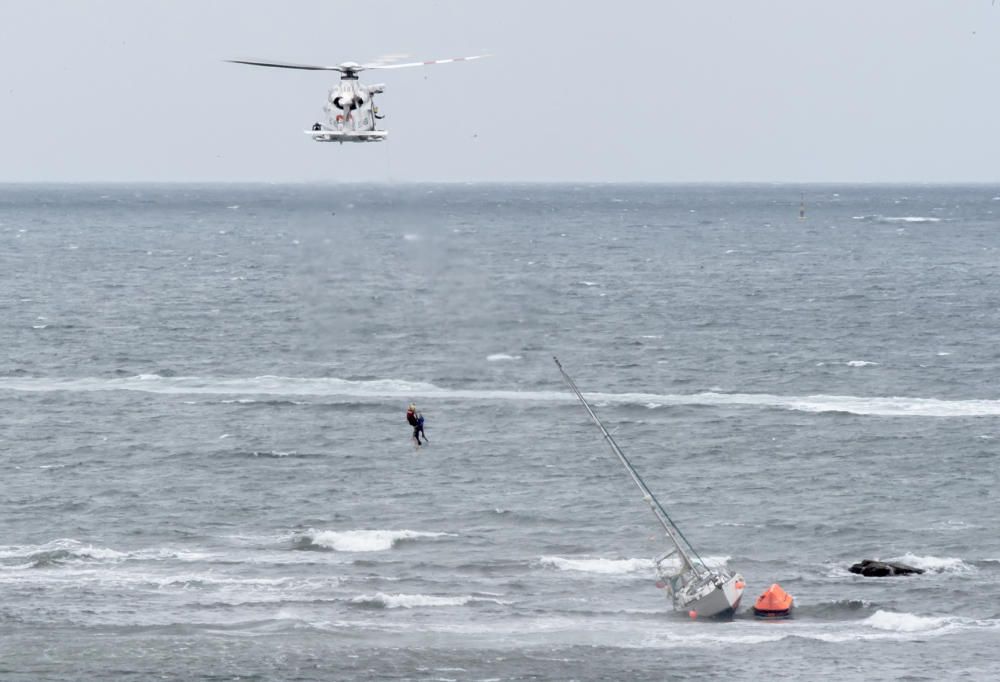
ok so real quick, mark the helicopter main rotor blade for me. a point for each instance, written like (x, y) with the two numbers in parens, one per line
(428, 63)
(285, 65)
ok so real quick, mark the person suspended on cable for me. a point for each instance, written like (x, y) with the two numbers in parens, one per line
(414, 419)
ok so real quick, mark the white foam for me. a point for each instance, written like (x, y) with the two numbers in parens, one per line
(397, 389)
(72, 548)
(604, 566)
(935, 564)
(860, 363)
(498, 357)
(910, 219)
(897, 219)
(904, 622)
(364, 540)
(410, 601)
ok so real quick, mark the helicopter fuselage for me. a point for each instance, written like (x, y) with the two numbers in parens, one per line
(350, 107)
(350, 113)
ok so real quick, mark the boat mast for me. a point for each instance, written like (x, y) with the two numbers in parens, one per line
(672, 531)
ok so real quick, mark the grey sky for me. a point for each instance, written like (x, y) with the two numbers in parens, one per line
(731, 90)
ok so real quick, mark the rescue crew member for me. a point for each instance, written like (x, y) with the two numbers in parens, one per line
(415, 421)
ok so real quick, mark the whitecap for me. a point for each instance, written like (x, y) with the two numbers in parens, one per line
(904, 622)
(860, 363)
(604, 566)
(379, 390)
(910, 219)
(934, 564)
(60, 549)
(410, 601)
(363, 540)
(497, 357)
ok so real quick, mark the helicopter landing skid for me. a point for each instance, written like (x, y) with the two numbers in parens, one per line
(348, 135)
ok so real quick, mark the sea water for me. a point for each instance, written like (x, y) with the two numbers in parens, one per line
(207, 472)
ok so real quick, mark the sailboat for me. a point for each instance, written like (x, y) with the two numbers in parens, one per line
(692, 586)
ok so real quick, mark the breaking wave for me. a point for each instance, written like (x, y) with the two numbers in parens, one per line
(68, 550)
(392, 389)
(905, 622)
(933, 564)
(358, 540)
(59, 551)
(615, 566)
(889, 220)
(604, 566)
(411, 601)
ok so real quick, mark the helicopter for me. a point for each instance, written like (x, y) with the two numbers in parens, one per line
(350, 106)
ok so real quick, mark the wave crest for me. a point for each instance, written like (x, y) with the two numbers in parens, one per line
(380, 390)
(358, 540)
(68, 550)
(411, 601)
(891, 220)
(603, 566)
(58, 551)
(934, 564)
(904, 622)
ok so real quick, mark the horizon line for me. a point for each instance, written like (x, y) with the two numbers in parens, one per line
(677, 183)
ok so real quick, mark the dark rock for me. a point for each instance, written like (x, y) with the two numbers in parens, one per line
(877, 569)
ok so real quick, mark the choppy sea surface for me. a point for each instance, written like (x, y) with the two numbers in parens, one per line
(207, 473)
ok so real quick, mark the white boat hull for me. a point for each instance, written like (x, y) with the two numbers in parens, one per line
(714, 599)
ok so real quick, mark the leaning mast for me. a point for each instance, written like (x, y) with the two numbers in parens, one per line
(674, 533)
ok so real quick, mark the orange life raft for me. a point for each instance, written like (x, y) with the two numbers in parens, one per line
(774, 603)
